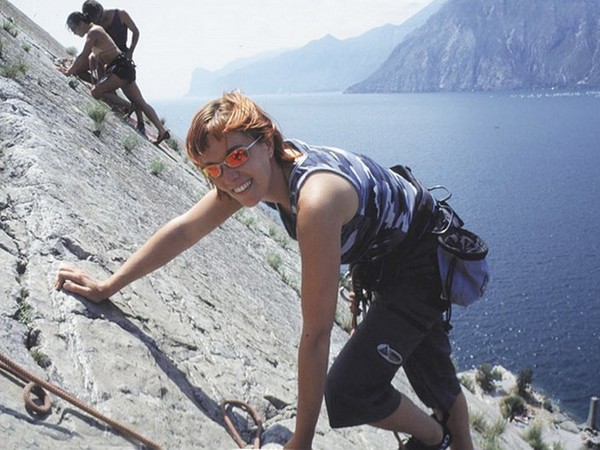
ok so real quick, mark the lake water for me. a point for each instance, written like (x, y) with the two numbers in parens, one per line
(523, 169)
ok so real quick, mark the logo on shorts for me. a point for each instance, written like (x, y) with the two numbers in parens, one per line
(389, 354)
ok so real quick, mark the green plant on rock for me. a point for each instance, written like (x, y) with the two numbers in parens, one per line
(12, 70)
(274, 260)
(10, 27)
(157, 167)
(524, 379)
(73, 83)
(245, 218)
(478, 422)
(1, 49)
(71, 51)
(485, 378)
(492, 444)
(277, 237)
(24, 314)
(496, 429)
(97, 112)
(511, 406)
(533, 436)
(489, 433)
(40, 358)
(467, 382)
(131, 142)
(291, 282)
(25, 46)
(173, 144)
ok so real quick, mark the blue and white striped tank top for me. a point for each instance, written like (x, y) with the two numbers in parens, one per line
(386, 200)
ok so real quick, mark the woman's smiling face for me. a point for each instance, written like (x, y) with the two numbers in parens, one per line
(247, 182)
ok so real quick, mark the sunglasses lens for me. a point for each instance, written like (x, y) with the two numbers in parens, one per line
(213, 171)
(237, 157)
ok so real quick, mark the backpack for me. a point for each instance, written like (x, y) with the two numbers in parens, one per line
(462, 263)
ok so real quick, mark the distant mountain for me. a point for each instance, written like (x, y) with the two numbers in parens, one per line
(324, 65)
(481, 45)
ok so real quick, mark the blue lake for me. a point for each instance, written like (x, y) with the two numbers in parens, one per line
(523, 169)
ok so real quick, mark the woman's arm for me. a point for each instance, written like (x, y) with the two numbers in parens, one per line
(82, 60)
(135, 32)
(326, 202)
(172, 239)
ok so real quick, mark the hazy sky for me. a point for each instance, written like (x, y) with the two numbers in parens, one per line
(177, 36)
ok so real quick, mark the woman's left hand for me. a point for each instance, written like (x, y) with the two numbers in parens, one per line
(80, 282)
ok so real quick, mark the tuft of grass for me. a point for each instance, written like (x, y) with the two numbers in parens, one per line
(157, 167)
(512, 405)
(97, 112)
(12, 70)
(71, 51)
(524, 379)
(41, 358)
(277, 237)
(491, 445)
(173, 144)
(485, 378)
(73, 83)
(291, 281)
(274, 260)
(478, 422)
(245, 218)
(467, 382)
(25, 46)
(10, 27)
(489, 433)
(131, 142)
(1, 49)
(24, 313)
(533, 436)
(496, 429)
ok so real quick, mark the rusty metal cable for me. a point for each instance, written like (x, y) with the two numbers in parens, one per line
(231, 427)
(36, 385)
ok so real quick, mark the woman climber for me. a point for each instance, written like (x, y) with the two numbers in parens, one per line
(342, 208)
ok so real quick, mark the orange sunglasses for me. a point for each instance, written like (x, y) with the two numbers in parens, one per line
(234, 159)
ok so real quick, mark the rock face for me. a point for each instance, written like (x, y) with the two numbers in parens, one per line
(220, 322)
(481, 45)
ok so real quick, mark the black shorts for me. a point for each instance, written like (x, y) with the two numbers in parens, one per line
(122, 67)
(404, 327)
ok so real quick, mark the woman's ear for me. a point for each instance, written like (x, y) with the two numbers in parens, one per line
(270, 146)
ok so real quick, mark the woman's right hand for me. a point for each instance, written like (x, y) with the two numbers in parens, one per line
(80, 282)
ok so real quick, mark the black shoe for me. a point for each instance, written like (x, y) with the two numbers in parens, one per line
(414, 444)
(141, 128)
(162, 137)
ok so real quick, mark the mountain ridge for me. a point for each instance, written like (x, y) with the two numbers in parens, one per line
(327, 64)
(486, 45)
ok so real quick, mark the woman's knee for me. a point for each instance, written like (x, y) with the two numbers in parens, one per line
(351, 404)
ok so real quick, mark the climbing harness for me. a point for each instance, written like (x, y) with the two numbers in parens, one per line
(227, 405)
(36, 385)
(357, 294)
